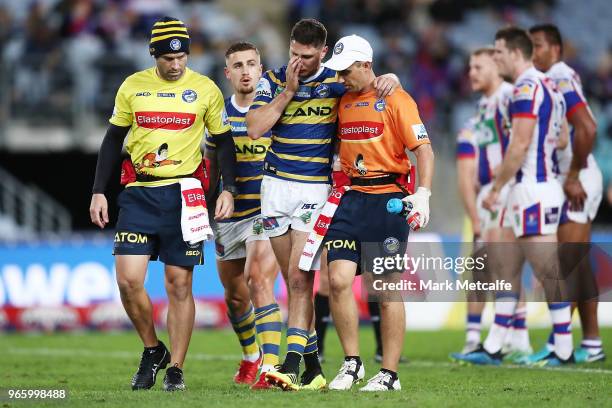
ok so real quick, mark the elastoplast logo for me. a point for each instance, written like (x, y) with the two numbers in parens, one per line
(361, 130)
(165, 120)
(194, 197)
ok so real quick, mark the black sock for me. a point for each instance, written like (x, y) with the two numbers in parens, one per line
(292, 363)
(392, 373)
(356, 358)
(374, 310)
(311, 362)
(158, 347)
(321, 310)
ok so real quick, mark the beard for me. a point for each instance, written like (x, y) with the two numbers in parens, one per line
(246, 89)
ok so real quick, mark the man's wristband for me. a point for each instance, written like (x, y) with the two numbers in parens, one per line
(231, 189)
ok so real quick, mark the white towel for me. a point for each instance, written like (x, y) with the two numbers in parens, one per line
(311, 255)
(195, 224)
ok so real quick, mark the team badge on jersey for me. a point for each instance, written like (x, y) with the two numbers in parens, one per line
(322, 91)
(175, 44)
(380, 105)
(224, 117)
(263, 88)
(525, 91)
(190, 95)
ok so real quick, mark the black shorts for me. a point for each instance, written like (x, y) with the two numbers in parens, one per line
(150, 224)
(362, 230)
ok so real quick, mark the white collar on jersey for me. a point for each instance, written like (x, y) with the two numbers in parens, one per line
(316, 74)
(241, 109)
(531, 71)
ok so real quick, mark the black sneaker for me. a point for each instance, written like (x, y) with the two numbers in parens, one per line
(173, 380)
(151, 361)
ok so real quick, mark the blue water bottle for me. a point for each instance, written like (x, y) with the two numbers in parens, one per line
(403, 208)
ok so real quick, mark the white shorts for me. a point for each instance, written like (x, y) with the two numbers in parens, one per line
(492, 219)
(535, 208)
(231, 237)
(592, 182)
(292, 204)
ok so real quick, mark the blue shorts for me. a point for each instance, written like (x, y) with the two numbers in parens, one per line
(150, 224)
(362, 230)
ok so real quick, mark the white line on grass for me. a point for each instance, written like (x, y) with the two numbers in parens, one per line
(59, 352)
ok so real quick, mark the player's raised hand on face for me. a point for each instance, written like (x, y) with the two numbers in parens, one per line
(293, 74)
(98, 210)
(386, 84)
(225, 206)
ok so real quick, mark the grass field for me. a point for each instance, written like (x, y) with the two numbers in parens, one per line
(96, 370)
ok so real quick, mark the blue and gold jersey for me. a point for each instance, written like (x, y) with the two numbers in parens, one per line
(250, 155)
(302, 138)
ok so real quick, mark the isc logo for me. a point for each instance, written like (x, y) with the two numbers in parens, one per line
(308, 206)
(192, 253)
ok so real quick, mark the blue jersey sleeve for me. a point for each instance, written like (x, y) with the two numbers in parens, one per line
(523, 102)
(265, 91)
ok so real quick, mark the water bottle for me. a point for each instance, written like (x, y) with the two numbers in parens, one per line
(403, 208)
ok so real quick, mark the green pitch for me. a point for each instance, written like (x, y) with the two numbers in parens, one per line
(96, 370)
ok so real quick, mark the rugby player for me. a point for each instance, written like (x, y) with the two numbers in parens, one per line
(537, 113)
(298, 103)
(165, 108)
(480, 147)
(374, 134)
(245, 261)
(583, 186)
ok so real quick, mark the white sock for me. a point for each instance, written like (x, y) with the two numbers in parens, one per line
(561, 319)
(520, 334)
(593, 346)
(265, 368)
(472, 329)
(504, 310)
(251, 357)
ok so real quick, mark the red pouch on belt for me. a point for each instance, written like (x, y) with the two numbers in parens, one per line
(408, 181)
(128, 173)
(202, 174)
(339, 179)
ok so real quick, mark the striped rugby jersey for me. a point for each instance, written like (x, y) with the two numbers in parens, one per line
(569, 84)
(301, 148)
(486, 136)
(250, 156)
(536, 96)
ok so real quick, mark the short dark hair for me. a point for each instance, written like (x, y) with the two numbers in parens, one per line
(551, 32)
(309, 31)
(516, 39)
(240, 46)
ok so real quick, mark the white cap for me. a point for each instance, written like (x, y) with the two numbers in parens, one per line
(347, 50)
